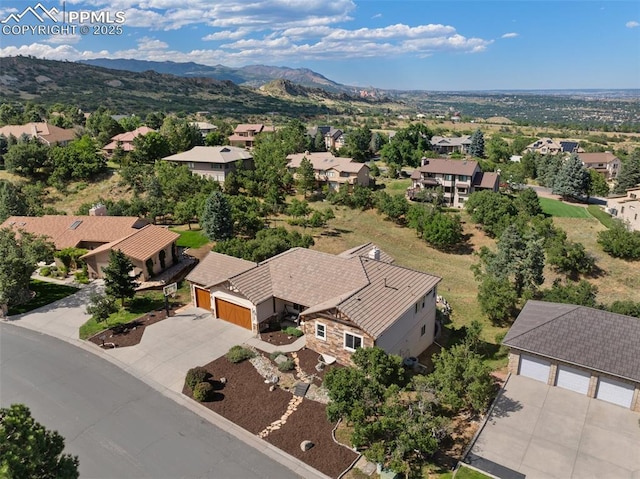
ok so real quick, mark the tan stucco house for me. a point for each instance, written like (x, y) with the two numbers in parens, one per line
(355, 299)
(244, 135)
(586, 350)
(42, 131)
(331, 170)
(626, 208)
(214, 162)
(605, 163)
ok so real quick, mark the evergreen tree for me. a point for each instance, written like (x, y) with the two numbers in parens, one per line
(217, 218)
(118, 280)
(12, 202)
(629, 175)
(572, 181)
(597, 184)
(476, 149)
(305, 176)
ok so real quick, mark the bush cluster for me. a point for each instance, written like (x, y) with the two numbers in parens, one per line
(203, 392)
(196, 376)
(293, 331)
(287, 365)
(238, 354)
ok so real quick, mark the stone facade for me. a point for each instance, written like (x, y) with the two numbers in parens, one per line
(333, 345)
(514, 362)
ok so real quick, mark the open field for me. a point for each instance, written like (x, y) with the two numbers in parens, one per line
(560, 209)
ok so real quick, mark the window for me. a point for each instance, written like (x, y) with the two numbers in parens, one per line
(463, 178)
(423, 299)
(321, 331)
(423, 330)
(352, 341)
(448, 177)
(416, 308)
(190, 165)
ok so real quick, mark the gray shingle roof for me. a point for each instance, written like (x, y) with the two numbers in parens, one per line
(216, 268)
(587, 337)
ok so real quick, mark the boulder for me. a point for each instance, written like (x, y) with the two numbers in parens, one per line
(306, 445)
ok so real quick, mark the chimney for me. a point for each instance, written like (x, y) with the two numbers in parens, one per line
(374, 253)
(424, 161)
(98, 210)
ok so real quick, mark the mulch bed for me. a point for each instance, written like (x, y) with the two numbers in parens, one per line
(128, 334)
(308, 360)
(245, 399)
(277, 338)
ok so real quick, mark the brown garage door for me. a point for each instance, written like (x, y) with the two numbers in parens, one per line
(203, 299)
(233, 313)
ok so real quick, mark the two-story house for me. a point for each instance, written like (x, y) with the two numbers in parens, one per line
(544, 146)
(204, 127)
(446, 145)
(457, 178)
(214, 162)
(125, 140)
(42, 131)
(605, 163)
(333, 137)
(626, 208)
(244, 135)
(331, 170)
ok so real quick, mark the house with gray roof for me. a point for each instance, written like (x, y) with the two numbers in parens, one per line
(358, 298)
(214, 162)
(445, 145)
(586, 350)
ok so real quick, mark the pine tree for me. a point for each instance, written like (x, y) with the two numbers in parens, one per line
(476, 149)
(629, 175)
(572, 180)
(118, 280)
(305, 176)
(217, 218)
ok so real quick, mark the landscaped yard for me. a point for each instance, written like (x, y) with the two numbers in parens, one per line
(193, 238)
(45, 293)
(561, 209)
(604, 218)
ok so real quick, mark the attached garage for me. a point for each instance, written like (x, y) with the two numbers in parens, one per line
(233, 313)
(203, 298)
(615, 392)
(573, 379)
(534, 368)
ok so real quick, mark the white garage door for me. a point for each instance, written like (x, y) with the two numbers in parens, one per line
(534, 368)
(573, 379)
(615, 392)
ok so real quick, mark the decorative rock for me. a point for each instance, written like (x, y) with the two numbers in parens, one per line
(281, 358)
(306, 445)
(272, 387)
(223, 380)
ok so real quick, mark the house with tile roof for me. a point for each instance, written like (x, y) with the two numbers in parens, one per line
(544, 146)
(244, 135)
(586, 350)
(457, 178)
(151, 248)
(125, 140)
(605, 163)
(42, 131)
(626, 208)
(358, 298)
(331, 170)
(214, 162)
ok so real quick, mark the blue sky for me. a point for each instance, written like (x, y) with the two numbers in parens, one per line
(420, 44)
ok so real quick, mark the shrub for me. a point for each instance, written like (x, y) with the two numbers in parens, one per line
(238, 354)
(196, 376)
(45, 271)
(287, 365)
(101, 306)
(81, 277)
(202, 392)
(274, 355)
(293, 331)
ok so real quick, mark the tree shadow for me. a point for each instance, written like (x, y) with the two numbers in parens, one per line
(504, 407)
(335, 232)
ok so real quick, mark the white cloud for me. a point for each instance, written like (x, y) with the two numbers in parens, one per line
(63, 39)
(632, 24)
(377, 15)
(510, 35)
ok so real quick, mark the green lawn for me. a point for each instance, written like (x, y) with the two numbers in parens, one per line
(46, 293)
(468, 473)
(562, 209)
(190, 238)
(396, 187)
(604, 218)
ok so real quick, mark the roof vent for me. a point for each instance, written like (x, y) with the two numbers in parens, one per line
(374, 253)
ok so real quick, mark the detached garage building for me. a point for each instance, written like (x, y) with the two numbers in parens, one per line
(582, 349)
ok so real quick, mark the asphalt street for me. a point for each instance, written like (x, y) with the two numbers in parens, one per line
(117, 425)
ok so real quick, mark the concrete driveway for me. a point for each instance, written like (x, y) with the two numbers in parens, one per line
(171, 347)
(542, 432)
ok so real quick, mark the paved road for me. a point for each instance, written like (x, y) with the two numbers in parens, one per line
(117, 425)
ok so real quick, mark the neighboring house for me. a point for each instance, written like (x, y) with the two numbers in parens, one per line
(151, 249)
(605, 163)
(204, 127)
(331, 170)
(447, 145)
(544, 146)
(626, 208)
(568, 146)
(125, 140)
(244, 136)
(98, 233)
(215, 162)
(42, 131)
(346, 301)
(333, 137)
(457, 178)
(586, 350)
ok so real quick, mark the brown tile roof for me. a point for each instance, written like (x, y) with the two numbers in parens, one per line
(364, 250)
(59, 228)
(211, 154)
(216, 268)
(605, 157)
(448, 167)
(42, 130)
(591, 338)
(142, 244)
(128, 136)
(256, 127)
(323, 161)
(486, 180)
